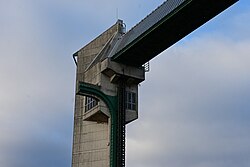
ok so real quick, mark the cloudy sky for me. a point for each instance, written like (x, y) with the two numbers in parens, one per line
(194, 104)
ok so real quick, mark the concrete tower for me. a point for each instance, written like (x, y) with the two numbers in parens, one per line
(98, 140)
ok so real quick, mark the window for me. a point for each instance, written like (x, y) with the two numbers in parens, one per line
(130, 100)
(90, 103)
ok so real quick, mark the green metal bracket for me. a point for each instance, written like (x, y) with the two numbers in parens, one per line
(86, 89)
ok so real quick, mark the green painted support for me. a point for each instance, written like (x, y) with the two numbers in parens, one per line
(86, 89)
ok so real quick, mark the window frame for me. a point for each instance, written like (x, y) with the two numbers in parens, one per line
(90, 103)
(130, 100)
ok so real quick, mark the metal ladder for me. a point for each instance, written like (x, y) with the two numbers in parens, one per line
(121, 121)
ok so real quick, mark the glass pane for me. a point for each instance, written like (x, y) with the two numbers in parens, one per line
(133, 98)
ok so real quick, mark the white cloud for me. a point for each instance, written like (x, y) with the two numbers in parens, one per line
(36, 99)
(194, 106)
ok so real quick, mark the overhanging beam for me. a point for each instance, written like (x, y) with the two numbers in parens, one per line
(165, 26)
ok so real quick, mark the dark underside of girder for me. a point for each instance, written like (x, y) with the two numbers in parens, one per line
(169, 30)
